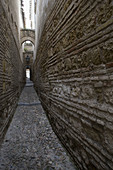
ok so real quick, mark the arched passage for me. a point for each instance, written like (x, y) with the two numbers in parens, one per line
(24, 39)
(27, 73)
(28, 57)
(27, 46)
(27, 35)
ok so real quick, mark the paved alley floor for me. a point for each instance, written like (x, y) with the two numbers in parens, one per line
(30, 143)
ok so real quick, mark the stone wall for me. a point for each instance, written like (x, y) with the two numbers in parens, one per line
(74, 79)
(11, 70)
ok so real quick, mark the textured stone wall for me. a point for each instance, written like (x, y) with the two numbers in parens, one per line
(11, 70)
(74, 79)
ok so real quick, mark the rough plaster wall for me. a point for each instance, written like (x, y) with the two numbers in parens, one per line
(44, 8)
(74, 79)
(12, 10)
(11, 72)
(14, 6)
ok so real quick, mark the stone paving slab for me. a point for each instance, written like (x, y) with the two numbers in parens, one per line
(30, 143)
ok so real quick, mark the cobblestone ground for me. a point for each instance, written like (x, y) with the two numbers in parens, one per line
(30, 143)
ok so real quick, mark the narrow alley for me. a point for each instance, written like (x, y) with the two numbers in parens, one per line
(30, 143)
(66, 48)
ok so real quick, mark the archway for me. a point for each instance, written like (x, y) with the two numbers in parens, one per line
(28, 73)
(28, 57)
(27, 45)
(27, 35)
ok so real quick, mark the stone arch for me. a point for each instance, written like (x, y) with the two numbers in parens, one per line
(27, 35)
(27, 39)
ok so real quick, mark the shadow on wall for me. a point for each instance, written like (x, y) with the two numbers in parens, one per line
(12, 77)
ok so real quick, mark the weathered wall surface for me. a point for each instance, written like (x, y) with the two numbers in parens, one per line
(11, 70)
(74, 79)
(12, 11)
(44, 8)
(11, 8)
